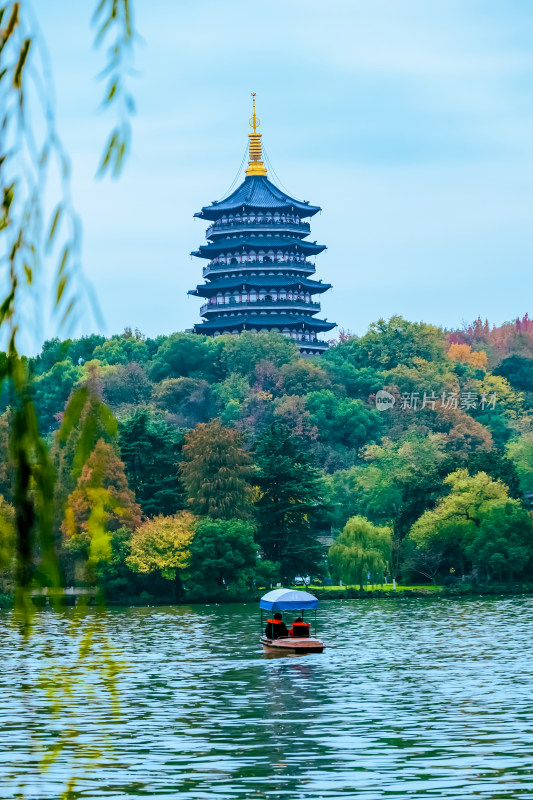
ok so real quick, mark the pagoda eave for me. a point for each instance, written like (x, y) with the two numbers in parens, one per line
(257, 282)
(251, 321)
(256, 193)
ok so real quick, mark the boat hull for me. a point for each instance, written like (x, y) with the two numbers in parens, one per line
(292, 644)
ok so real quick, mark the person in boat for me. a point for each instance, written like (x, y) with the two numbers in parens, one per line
(276, 627)
(299, 627)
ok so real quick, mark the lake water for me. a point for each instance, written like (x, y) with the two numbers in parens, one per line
(419, 698)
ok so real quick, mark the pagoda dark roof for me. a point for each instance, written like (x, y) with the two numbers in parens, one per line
(256, 192)
(264, 320)
(257, 243)
(259, 281)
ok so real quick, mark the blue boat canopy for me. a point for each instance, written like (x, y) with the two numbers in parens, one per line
(287, 599)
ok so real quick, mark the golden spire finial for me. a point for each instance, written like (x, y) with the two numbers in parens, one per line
(255, 164)
(254, 121)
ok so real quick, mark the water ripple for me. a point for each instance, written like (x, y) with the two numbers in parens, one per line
(431, 699)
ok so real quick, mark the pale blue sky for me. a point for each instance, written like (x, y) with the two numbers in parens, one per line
(410, 122)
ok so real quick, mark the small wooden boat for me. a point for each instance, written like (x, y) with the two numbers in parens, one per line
(292, 645)
(296, 601)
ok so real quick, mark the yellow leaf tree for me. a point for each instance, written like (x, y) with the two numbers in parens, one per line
(162, 544)
(465, 355)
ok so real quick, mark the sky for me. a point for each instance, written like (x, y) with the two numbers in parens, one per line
(409, 122)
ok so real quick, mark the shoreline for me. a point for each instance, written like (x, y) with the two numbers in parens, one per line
(322, 593)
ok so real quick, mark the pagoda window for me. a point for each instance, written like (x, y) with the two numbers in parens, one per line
(226, 297)
(253, 296)
(252, 256)
(268, 298)
(282, 295)
(269, 217)
(277, 216)
(237, 217)
(251, 216)
(220, 298)
(244, 297)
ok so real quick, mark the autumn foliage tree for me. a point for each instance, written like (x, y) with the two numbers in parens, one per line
(216, 472)
(162, 545)
(100, 503)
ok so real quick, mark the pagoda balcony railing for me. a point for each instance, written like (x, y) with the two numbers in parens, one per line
(316, 344)
(284, 223)
(217, 265)
(263, 302)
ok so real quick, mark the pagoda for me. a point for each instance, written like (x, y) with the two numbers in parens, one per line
(257, 276)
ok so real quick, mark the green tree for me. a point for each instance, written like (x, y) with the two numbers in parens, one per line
(126, 384)
(518, 371)
(457, 518)
(122, 349)
(188, 400)
(7, 465)
(503, 542)
(8, 543)
(187, 355)
(216, 472)
(230, 396)
(422, 376)
(51, 391)
(290, 507)
(497, 466)
(342, 420)
(400, 480)
(163, 545)
(303, 376)
(357, 382)
(223, 559)
(520, 451)
(392, 342)
(152, 450)
(241, 354)
(361, 548)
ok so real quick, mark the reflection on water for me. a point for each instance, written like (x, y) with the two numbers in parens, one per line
(421, 698)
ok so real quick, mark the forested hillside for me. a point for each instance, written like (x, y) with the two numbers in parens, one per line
(218, 465)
